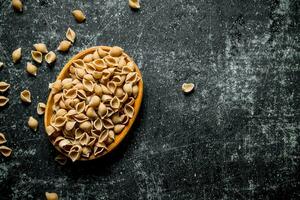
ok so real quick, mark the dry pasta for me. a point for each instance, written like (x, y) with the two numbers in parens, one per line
(25, 96)
(33, 123)
(187, 87)
(50, 57)
(2, 138)
(51, 196)
(134, 4)
(41, 47)
(41, 108)
(31, 69)
(4, 86)
(3, 101)
(70, 35)
(17, 5)
(78, 15)
(16, 55)
(37, 56)
(5, 151)
(64, 46)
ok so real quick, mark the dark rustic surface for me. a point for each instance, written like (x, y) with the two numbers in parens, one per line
(235, 137)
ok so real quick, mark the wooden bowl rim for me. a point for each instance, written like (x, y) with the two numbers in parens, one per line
(119, 137)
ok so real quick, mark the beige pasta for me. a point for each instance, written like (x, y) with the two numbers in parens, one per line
(4, 86)
(70, 35)
(41, 107)
(1, 65)
(51, 196)
(17, 5)
(129, 110)
(41, 47)
(37, 56)
(118, 128)
(16, 55)
(3, 101)
(116, 51)
(33, 123)
(64, 46)
(50, 130)
(187, 87)
(50, 57)
(31, 69)
(78, 15)
(88, 58)
(5, 151)
(25, 96)
(75, 152)
(134, 4)
(2, 138)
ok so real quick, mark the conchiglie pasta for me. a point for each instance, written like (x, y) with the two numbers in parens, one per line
(4, 86)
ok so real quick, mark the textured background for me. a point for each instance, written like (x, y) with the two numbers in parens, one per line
(235, 137)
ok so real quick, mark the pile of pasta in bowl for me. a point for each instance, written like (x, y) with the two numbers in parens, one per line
(91, 102)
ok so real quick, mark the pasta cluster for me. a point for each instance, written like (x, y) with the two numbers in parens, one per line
(93, 103)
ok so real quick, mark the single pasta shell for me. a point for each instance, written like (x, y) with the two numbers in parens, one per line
(98, 125)
(79, 63)
(96, 55)
(115, 103)
(102, 110)
(70, 35)
(129, 110)
(84, 139)
(131, 77)
(70, 125)
(4, 86)
(88, 58)
(116, 51)
(31, 69)
(37, 56)
(16, 55)
(98, 90)
(118, 128)
(80, 107)
(91, 113)
(78, 15)
(1, 65)
(90, 68)
(80, 117)
(130, 101)
(134, 4)
(41, 107)
(187, 87)
(50, 130)
(86, 126)
(135, 90)
(64, 46)
(2, 138)
(111, 61)
(128, 88)
(50, 57)
(25, 96)
(56, 86)
(88, 85)
(33, 123)
(86, 151)
(5, 151)
(75, 152)
(41, 47)
(88, 77)
(108, 124)
(111, 86)
(51, 195)
(17, 5)
(95, 101)
(61, 112)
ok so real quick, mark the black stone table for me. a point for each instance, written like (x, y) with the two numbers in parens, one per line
(235, 137)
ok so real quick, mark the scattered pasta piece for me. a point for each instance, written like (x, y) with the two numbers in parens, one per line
(64, 46)
(78, 15)
(41, 108)
(1, 65)
(3, 101)
(70, 35)
(31, 69)
(37, 56)
(4, 86)
(41, 47)
(61, 159)
(2, 138)
(134, 4)
(187, 87)
(16, 55)
(5, 151)
(51, 196)
(50, 57)
(25, 96)
(116, 51)
(17, 5)
(33, 123)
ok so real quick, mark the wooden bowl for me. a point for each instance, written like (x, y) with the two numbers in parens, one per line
(119, 137)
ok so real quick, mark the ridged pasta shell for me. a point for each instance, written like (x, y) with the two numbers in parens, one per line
(70, 35)
(17, 5)
(75, 152)
(129, 110)
(110, 61)
(88, 85)
(98, 125)
(40, 109)
(60, 121)
(16, 55)
(81, 94)
(2, 138)
(105, 90)
(91, 113)
(61, 112)
(118, 128)
(79, 64)
(5, 151)
(134, 4)
(62, 160)
(78, 15)
(106, 98)
(80, 117)
(187, 87)
(84, 139)
(102, 110)
(31, 69)
(102, 53)
(71, 93)
(86, 152)
(41, 47)
(88, 58)
(90, 68)
(135, 91)
(25, 96)
(37, 56)
(50, 130)
(86, 126)
(128, 88)
(116, 51)
(99, 64)
(70, 125)
(108, 124)
(115, 103)
(111, 86)
(33, 123)
(4, 86)
(119, 92)
(80, 107)
(64, 46)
